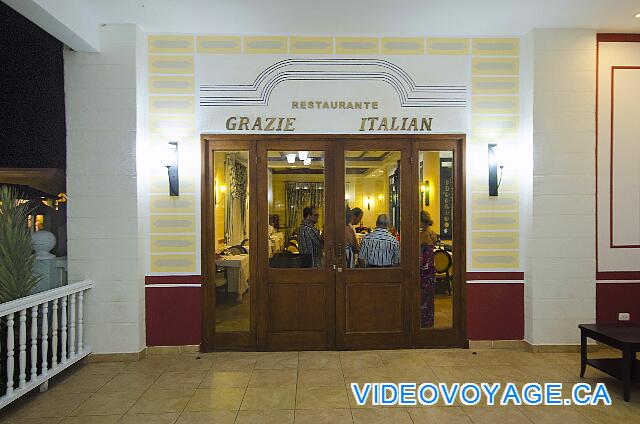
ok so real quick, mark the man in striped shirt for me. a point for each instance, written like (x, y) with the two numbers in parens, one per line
(310, 241)
(380, 248)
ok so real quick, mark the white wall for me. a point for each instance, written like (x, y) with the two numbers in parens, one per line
(103, 221)
(560, 274)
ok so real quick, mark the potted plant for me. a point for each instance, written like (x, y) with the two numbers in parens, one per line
(16, 250)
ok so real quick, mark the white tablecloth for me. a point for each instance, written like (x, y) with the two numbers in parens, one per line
(237, 267)
(276, 242)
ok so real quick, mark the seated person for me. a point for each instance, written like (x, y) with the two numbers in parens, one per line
(380, 248)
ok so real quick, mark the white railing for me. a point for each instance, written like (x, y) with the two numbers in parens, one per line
(54, 319)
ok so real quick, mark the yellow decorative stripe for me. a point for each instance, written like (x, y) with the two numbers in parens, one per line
(357, 45)
(172, 104)
(173, 243)
(495, 66)
(173, 263)
(504, 202)
(495, 240)
(265, 45)
(495, 85)
(219, 44)
(171, 126)
(448, 46)
(408, 46)
(171, 85)
(495, 221)
(495, 259)
(311, 45)
(495, 125)
(167, 224)
(171, 64)
(496, 46)
(170, 44)
(159, 203)
(495, 104)
(160, 183)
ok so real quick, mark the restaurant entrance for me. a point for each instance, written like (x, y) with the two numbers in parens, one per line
(333, 242)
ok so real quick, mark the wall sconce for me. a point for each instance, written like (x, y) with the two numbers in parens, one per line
(425, 193)
(222, 189)
(494, 164)
(171, 163)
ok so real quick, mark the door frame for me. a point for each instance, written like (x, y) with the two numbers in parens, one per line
(457, 335)
(212, 340)
(255, 339)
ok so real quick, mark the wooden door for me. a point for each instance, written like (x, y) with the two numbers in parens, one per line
(228, 316)
(297, 296)
(371, 307)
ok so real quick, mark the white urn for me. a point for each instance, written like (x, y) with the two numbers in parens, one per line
(43, 242)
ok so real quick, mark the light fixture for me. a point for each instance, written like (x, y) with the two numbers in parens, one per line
(427, 192)
(291, 157)
(347, 197)
(494, 164)
(170, 161)
(303, 155)
(307, 161)
(222, 189)
(368, 202)
(637, 15)
(381, 197)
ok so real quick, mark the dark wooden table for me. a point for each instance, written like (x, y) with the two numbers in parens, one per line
(625, 337)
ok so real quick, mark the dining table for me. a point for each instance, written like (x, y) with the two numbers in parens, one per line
(237, 272)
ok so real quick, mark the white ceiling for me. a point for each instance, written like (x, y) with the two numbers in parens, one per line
(376, 17)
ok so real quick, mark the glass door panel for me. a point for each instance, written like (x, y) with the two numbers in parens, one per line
(436, 238)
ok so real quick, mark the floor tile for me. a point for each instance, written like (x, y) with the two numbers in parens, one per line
(47, 420)
(360, 359)
(165, 418)
(154, 401)
(208, 417)
(108, 403)
(225, 379)
(495, 414)
(50, 404)
(320, 378)
(323, 416)
(129, 382)
(273, 378)
(190, 363)
(322, 398)
(381, 416)
(319, 361)
(257, 398)
(220, 399)
(553, 414)
(178, 380)
(277, 360)
(265, 417)
(453, 415)
(79, 382)
(233, 364)
(95, 419)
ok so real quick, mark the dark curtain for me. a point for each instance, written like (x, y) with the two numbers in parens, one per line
(298, 196)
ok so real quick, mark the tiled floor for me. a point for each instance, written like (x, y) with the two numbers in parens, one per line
(305, 387)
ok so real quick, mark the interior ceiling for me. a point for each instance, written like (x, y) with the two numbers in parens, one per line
(402, 17)
(356, 162)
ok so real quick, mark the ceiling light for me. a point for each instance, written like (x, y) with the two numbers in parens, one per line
(303, 154)
(637, 15)
(291, 157)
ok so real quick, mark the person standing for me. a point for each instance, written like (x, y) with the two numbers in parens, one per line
(310, 241)
(352, 217)
(380, 248)
(428, 240)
